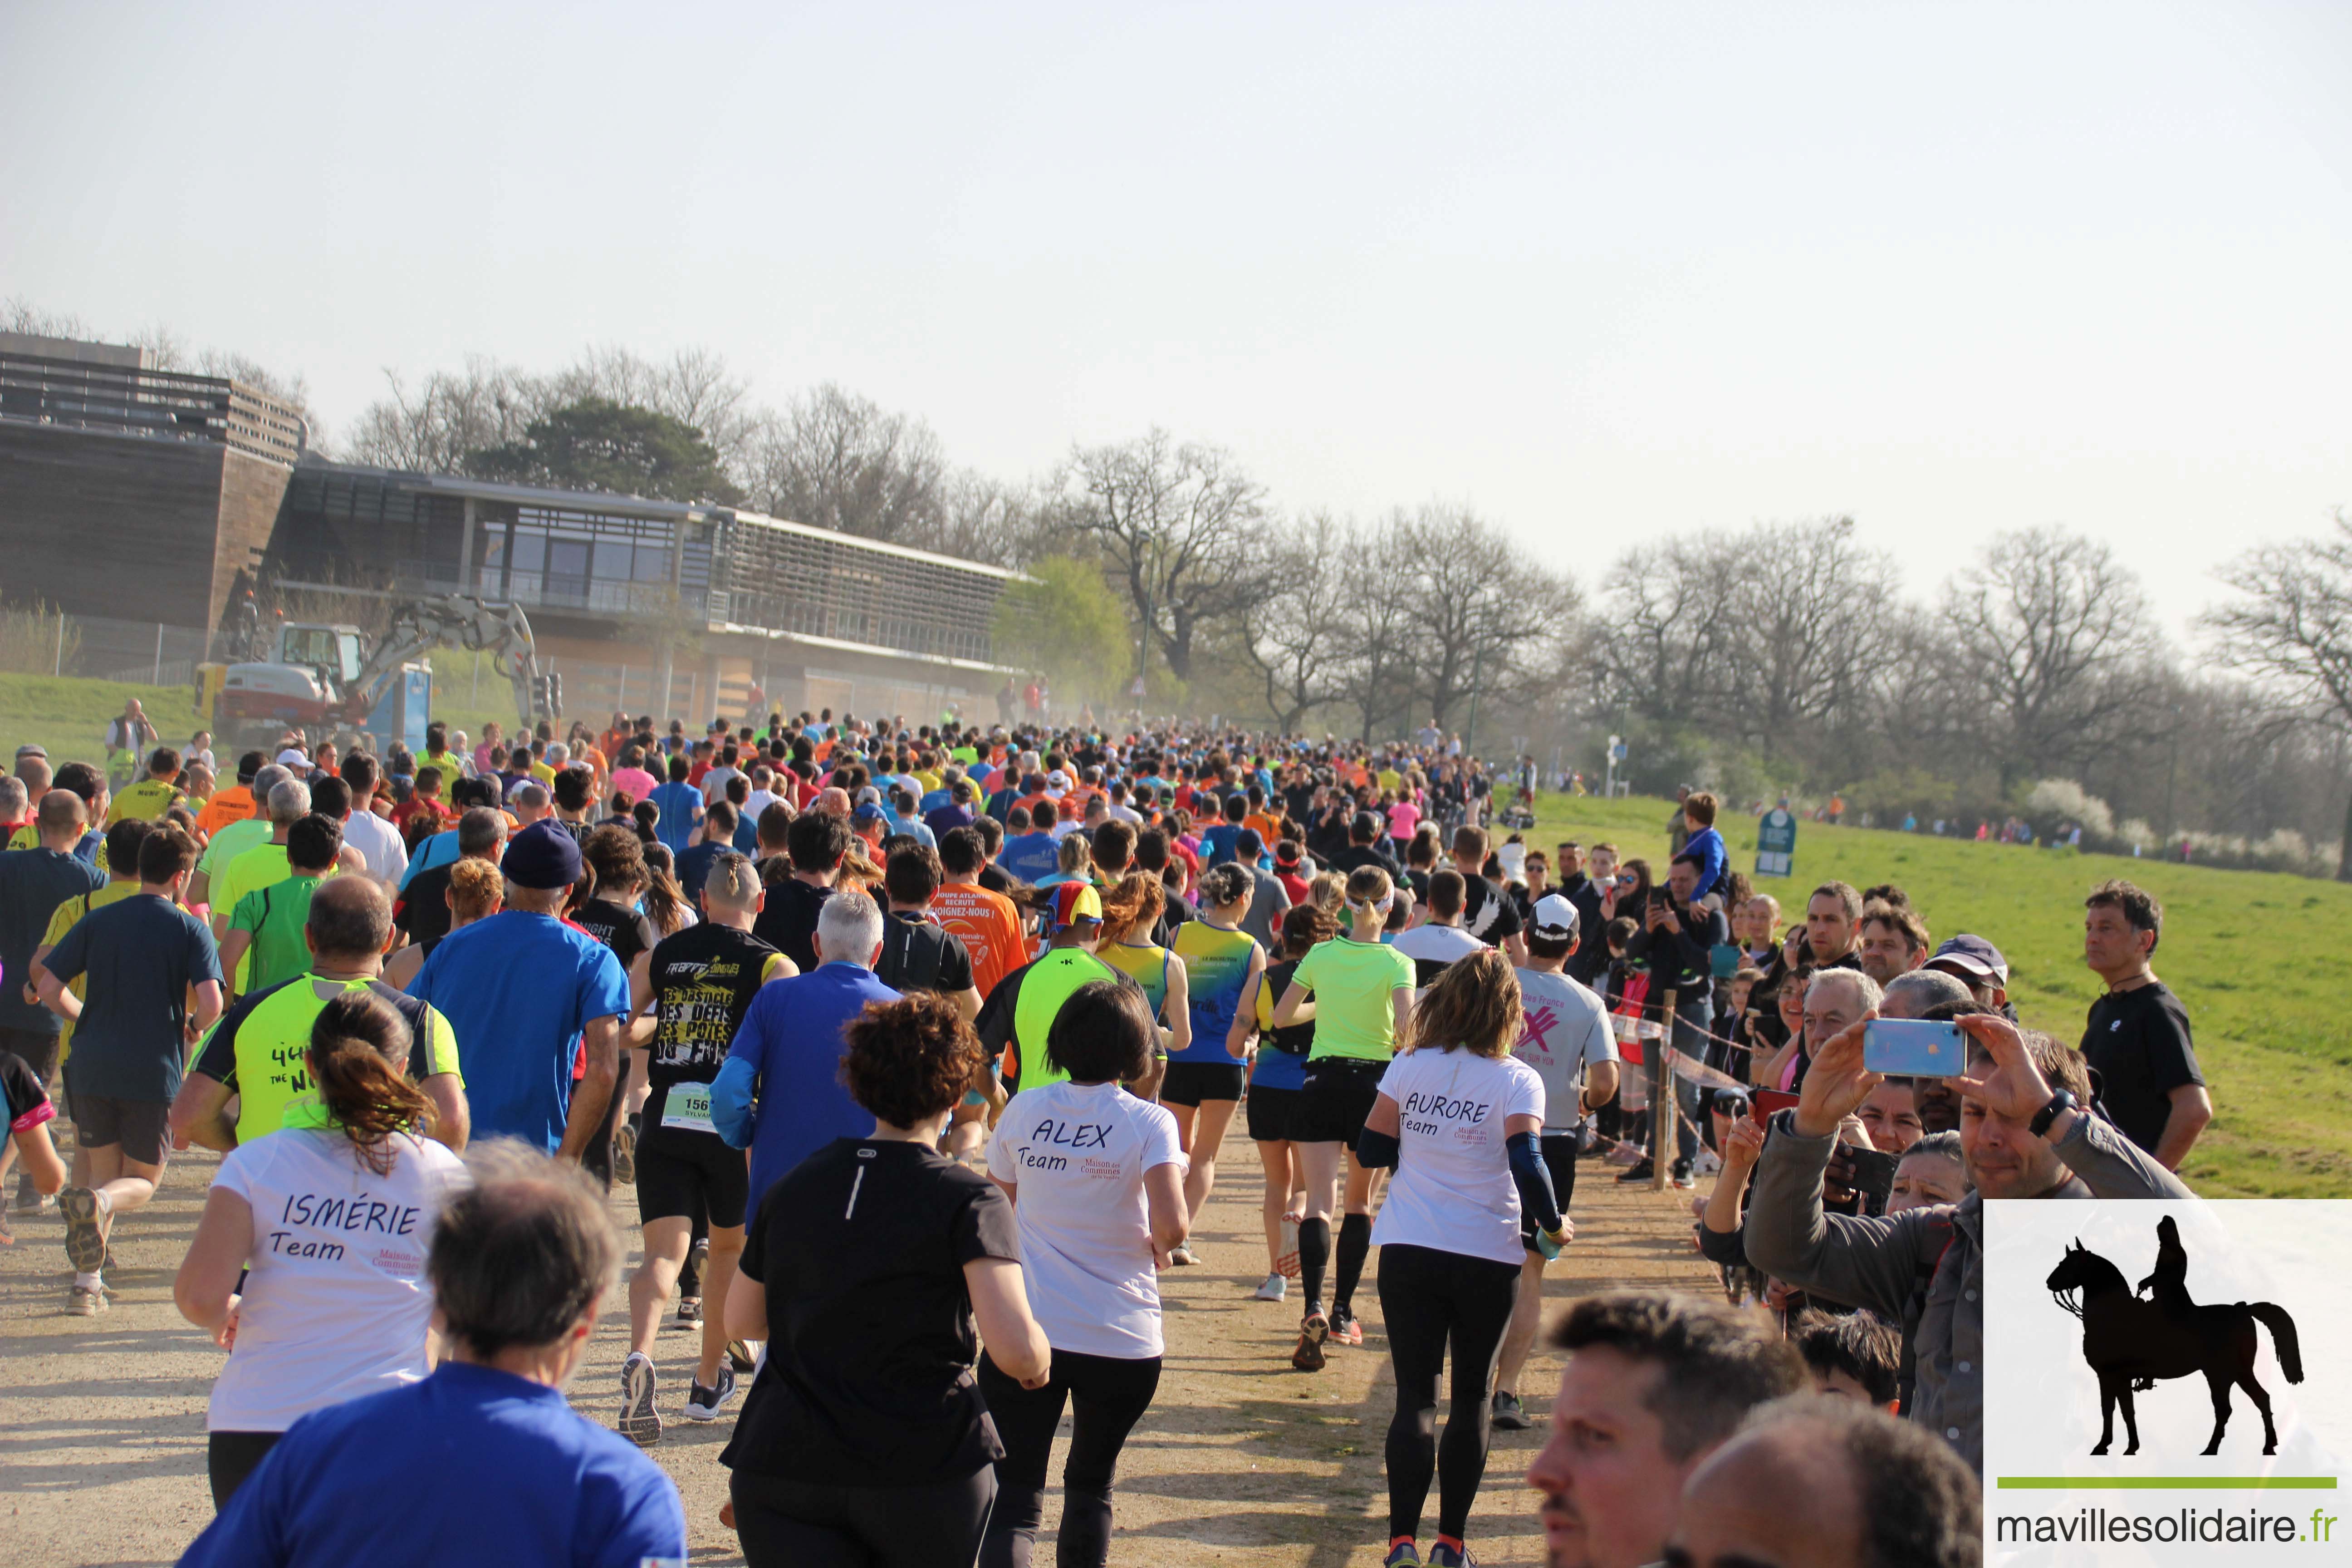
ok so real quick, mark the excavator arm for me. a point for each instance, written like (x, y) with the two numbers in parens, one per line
(454, 621)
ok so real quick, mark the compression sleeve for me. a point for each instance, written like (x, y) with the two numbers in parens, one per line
(1376, 1151)
(1533, 1180)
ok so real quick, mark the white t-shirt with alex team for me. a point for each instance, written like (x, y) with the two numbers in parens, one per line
(1452, 1189)
(1076, 1155)
(1566, 1030)
(336, 1302)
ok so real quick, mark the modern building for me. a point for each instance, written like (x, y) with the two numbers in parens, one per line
(147, 497)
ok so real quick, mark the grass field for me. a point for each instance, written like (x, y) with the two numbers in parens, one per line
(2263, 962)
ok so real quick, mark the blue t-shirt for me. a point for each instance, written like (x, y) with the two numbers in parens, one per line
(1217, 843)
(470, 1465)
(33, 883)
(681, 815)
(140, 955)
(517, 988)
(792, 1039)
(440, 849)
(694, 867)
(1032, 856)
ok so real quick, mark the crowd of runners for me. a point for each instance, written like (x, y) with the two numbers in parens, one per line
(922, 1047)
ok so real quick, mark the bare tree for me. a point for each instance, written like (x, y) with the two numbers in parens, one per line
(1381, 621)
(437, 426)
(1810, 615)
(2055, 645)
(2293, 626)
(1300, 639)
(1181, 528)
(1664, 650)
(20, 315)
(834, 459)
(1490, 619)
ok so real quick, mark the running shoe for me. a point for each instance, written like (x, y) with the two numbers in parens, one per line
(705, 1403)
(1682, 1177)
(640, 1423)
(689, 1309)
(738, 1351)
(87, 1301)
(1402, 1554)
(1344, 1330)
(1313, 1330)
(1639, 1173)
(1181, 1257)
(1286, 1265)
(30, 1200)
(85, 1243)
(1274, 1287)
(625, 1152)
(1509, 1415)
(1441, 1555)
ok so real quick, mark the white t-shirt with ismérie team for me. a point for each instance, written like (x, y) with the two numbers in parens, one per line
(336, 1302)
(1076, 1155)
(1452, 1189)
(1565, 1031)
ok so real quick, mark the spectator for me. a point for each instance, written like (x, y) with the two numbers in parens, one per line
(1893, 942)
(1856, 1355)
(1654, 1384)
(518, 1266)
(2137, 1038)
(1705, 843)
(1978, 965)
(2020, 1139)
(1874, 1495)
(1678, 939)
(1833, 926)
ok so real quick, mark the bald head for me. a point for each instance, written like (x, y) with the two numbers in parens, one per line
(1911, 994)
(350, 919)
(1879, 1493)
(62, 817)
(531, 803)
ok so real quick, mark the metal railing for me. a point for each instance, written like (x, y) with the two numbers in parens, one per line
(159, 405)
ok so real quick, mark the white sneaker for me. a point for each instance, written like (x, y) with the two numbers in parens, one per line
(1274, 1287)
(87, 1301)
(1709, 1163)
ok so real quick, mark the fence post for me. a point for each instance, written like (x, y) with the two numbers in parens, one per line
(157, 679)
(57, 666)
(1662, 1100)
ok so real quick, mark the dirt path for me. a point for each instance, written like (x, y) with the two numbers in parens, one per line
(1240, 1460)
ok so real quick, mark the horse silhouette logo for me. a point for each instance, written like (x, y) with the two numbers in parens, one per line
(2132, 1343)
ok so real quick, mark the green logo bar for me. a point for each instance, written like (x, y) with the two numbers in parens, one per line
(2165, 1483)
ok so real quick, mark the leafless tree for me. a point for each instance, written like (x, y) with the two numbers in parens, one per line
(1663, 649)
(1300, 639)
(2056, 647)
(1489, 618)
(834, 459)
(1382, 612)
(438, 424)
(2293, 626)
(1180, 528)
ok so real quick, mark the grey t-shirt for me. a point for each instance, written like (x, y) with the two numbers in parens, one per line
(1566, 1030)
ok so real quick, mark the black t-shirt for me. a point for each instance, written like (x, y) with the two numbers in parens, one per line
(997, 880)
(870, 1338)
(1357, 856)
(618, 927)
(2137, 1042)
(787, 922)
(1487, 914)
(919, 955)
(1299, 798)
(704, 979)
(423, 909)
(1175, 909)
(1294, 1040)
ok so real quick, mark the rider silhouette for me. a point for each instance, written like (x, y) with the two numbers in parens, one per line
(2169, 1280)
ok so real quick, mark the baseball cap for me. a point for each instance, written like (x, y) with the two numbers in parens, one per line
(542, 856)
(1075, 902)
(1555, 918)
(291, 758)
(1972, 955)
(30, 750)
(869, 812)
(1058, 783)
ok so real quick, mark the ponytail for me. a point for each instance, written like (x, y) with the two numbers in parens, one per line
(358, 1048)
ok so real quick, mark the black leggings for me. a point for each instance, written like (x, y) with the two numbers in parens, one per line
(800, 1524)
(1106, 1397)
(231, 1457)
(1428, 1296)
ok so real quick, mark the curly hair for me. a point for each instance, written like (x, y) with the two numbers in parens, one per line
(911, 1059)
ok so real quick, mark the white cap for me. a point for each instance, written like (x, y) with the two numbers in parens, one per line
(292, 758)
(1555, 918)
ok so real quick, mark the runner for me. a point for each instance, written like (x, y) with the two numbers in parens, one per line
(1094, 1228)
(145, 957)
(608, 913)
(699, 984)
(153, 795)
(1439, 940)
(1361, 999)
(1130, 910)
(26, 1111)
(1020, 1012)
(475, 891)
(864, 1438)
(256, 1053)
(1456, 1118)
(1566, 1038)
(1203, 1086)
(1278, 1071)
(268, 922)
(917, 952)
(308, 1319)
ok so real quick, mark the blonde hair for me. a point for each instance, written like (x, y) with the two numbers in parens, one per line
(1367, 886)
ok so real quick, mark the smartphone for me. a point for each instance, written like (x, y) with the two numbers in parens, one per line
(1763, 1102)
(1912, 1047)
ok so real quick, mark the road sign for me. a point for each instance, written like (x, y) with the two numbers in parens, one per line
(1776, 843)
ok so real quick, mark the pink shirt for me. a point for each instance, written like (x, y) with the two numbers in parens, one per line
(1403, 818)
(636, 780)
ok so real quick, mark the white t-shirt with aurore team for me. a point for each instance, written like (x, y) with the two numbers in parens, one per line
(1452, 1189)
(336, 1304)
(1566, 1031)
(1076, 1155)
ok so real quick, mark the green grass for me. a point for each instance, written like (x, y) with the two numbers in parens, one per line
(2263, 962)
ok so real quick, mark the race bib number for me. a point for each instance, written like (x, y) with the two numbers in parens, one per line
(688, 1105)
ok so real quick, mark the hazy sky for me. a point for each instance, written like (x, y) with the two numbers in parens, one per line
(1607, 272)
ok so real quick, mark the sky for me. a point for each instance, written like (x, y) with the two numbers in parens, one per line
(1605, 272)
